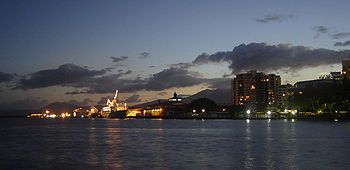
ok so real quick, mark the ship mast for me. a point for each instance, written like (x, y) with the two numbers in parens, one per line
(116, 95)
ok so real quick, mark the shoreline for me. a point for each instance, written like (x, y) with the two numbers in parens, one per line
(197, 118)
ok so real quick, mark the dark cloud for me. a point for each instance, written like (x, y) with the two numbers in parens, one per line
(340, 35)
(127, 72)
(253, 56)
(85, 102)
(273, 18)
(151, 66)
(96, 81)
(320, 30)
(75, 92)
(119, 59)
(219, 83)
(109, 83)
(264, 57)
(133, 99)
(214, 58)
(168, 78)
(161, 93)
(144, 55)
(226, 75)
(182, 65)
(29, 103)
(5, 77)
(103, 100)
(63, 75)
(173, 77)
(342, 44)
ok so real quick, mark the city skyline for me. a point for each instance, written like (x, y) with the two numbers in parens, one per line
(83, 50)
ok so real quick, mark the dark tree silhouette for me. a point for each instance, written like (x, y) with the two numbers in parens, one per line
(203, 103)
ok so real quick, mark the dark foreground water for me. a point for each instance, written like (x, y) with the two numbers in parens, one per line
(173, 144)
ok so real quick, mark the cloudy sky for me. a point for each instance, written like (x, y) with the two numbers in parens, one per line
(81, 51)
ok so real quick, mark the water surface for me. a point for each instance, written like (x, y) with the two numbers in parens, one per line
(173, 144)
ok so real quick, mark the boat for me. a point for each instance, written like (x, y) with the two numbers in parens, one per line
(114, 108)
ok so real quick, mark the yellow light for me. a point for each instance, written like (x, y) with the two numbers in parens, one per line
(51, 116)
(47, 111)
(252, 87)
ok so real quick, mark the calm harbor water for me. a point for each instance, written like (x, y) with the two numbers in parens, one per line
(173, 144)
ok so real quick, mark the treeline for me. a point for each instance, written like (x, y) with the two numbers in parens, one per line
(330, 98)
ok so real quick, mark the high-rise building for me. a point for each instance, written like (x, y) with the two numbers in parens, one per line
(255, 90)
(283, 94)
(274, 82)
(346, 69)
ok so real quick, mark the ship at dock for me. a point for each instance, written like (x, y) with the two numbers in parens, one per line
(114, 108)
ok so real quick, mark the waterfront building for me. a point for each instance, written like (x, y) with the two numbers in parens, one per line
(255, 90)
(284, 92)
(171, 108)
(316, 83)
(85, 111)
(346, 69)
(274, 83)
(336, 75)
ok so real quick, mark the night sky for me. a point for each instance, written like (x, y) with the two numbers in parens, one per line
(81, 51)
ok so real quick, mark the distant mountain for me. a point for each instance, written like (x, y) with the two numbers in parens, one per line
(219, 96)
(59, 107)
(17, 112)
(150, 103)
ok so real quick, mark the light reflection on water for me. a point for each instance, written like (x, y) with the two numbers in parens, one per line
(173, 144)
(248, 155)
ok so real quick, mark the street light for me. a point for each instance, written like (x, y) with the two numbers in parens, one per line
(269, 113)
(248, 113)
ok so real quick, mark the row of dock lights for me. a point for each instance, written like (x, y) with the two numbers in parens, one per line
(195, 111)
(48, 114)
(269, 113)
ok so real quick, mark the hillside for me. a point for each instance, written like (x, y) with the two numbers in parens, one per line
(220, 96)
